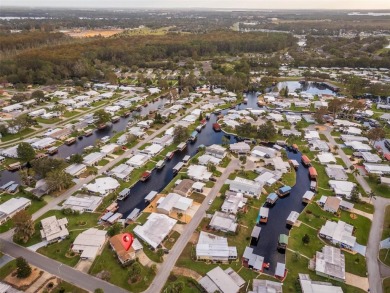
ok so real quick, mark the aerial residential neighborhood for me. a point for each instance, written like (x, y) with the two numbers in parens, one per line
(240, 150)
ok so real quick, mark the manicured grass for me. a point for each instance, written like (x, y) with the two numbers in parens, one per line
(295, 241)
(21, 134)
(36, 204)
(384, 256)
(216, 205)
(289, 178)
(70, 114)
(377, 188)
(365, 207)
(75, 222)
(48, 121)
(67, 287)
(119, 276)
(197, 197)
(386, 285)
(225, 162)
(7, 269)
(210, 184)
(174, 236)
(300, 265)
(348, 151)
(355, 264)
(386, 224)
(103, 162)
(190, 285)
(362, 226)
(60, 251)
(335, 133)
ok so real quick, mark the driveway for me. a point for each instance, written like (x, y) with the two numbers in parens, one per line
(5, 259)
(361, 249)
(35, 247)
(385, 244)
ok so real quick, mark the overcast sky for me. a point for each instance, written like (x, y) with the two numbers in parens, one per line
(252, 4)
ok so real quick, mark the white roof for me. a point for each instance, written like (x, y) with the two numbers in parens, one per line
(53, 228)
(330, 262)
(74, 169)
(308, 195)
(309, 286)
(13, 204)
(109, 148)
(371, 158)
(214, 246)
(280, 269)
(377, 168)
(137, 160)
(339, 232)
(358, 146)
(223, 221)
(102, 185)
(245, 186)
(342, 187)
(174, 200)
(156, 228)
(92, 158)
(222, 281)
(81, 203)
(198, 172)
(89, 242)
(326, 158)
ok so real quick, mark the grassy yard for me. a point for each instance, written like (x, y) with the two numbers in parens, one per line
(225, 162)
(21, 134)
(76, 223)
(170, 242)
(386, 285)
(60, 251)
(69, 114)
(190, 285)
(103, 162)
(355, 264)
(48, 121)
(7, 269)
(386, 224)
(384, 256)
(295, 241)
(36, 204)
(67, 287)
(296, 265)
(118, 275)
(378, 189)
(348, 151)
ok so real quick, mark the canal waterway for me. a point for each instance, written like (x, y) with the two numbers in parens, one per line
(276, 225)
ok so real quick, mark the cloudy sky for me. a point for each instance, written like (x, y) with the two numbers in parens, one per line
(252, 4)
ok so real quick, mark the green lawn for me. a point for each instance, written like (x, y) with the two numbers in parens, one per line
(386, 224)
(377, 188)
(48, 121)
(225, 162)
(190, 285)
(7, 269)
(169, 243)
(295, 241)
(384, 256)
(67, 287)
(21, 134)
(355, 264)
(197, 197)
(119, 276)
(103, 162)
(348, 151)
(69, 114)
(60, 251)
(36, 204)
(386, 285)
(300, 265)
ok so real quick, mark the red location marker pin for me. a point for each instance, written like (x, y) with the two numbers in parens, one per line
(127, 240)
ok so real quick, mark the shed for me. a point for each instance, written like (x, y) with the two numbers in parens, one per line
(106, 216)
(133, 215)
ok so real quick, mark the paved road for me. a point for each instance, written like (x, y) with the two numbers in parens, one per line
(64, 272)
(375, 273)
(166, 268)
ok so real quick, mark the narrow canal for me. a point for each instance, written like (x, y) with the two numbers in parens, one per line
(276, 225)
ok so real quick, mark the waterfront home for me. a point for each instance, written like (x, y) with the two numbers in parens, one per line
(9, 208)
(198, 173)
(263, 152)
(336, 172)
(278, 164)
(223, 222)
(267, 176)
(292, 218)
(54, 229)
(352, 130)
(125, 256)
(82, 203)
(275, 117)
(121, 171)
(173, 202)
(223, 281)
(240, 148)
(103, 186)
(234, 201)
(137, 161)
(89, 243)
(214, 248)
(204, 160)
(342, 188)
(216, 150)
(183, 187)
(330, 263)
(266, 286)
(247, 187)
(155, 229)
(289, 132)
(326, 158)
(252, 261)
(137, 132)
(43, 143)
(152, 150)
(380, 169)
(309, 286)
(75, 169)
(339, 233)
(164, 141)
(332, 204)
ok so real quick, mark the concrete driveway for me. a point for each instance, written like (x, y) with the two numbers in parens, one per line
(35, 247)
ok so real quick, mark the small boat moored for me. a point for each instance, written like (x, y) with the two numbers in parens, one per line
(160, 164)
(216, 127)
(115, 119)
(284, 191)
(70, 140)
(146, 175)
(169, 155)
(52, 150)
(181, 146)
(88, 132)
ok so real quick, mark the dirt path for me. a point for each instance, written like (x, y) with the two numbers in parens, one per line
(356, 281)
(187, 273)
